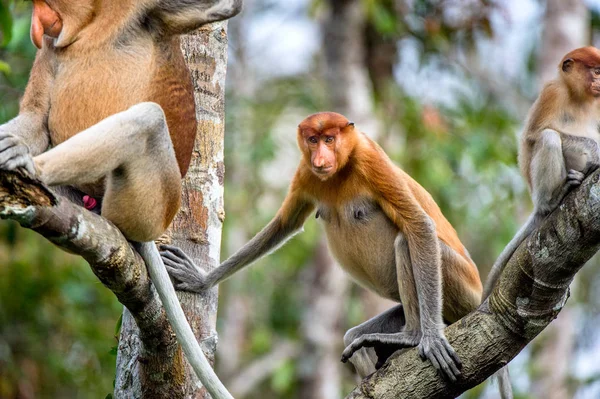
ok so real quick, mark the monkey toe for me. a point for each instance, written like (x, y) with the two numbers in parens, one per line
(442, 356)
(575, 177)
(386, 344)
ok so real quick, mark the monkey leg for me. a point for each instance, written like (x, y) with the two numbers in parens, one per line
(397, 328)
(390, 321)
(133, 153)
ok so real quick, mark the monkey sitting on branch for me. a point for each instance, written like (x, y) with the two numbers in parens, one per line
(559, 144)
(385, 230)
(108, 119)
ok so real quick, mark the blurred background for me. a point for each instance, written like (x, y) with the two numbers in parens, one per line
(442, 85)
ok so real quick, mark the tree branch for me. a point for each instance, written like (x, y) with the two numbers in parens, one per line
(112, 259)
(530, 293)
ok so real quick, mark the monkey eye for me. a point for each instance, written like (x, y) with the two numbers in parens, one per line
(329, 139)
(597, 71)
(312, 140)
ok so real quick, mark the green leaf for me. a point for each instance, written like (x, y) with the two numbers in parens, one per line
(5, 68)
(6, 23)
(109, 396)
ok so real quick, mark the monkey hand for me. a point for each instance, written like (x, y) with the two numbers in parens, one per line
(384, 344)
(14, 154)
(574, 178)
(435, 347)
(186, 276)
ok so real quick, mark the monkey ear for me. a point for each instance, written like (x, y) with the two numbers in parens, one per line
(567, 64)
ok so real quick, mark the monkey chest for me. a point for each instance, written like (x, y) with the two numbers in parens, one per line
(87, 89)
(361, 238)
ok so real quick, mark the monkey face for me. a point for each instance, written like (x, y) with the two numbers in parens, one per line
(580, 69)
(322, 155)
(324, 139)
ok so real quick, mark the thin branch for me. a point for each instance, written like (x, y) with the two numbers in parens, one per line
(530, 293)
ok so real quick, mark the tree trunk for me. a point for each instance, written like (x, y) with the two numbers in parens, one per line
(197, 227)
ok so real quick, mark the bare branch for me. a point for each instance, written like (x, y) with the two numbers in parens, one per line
(530, 293)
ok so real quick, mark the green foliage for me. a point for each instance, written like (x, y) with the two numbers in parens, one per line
(6, 23)
(56, 321)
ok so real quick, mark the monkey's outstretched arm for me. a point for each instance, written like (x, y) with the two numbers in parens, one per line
(550, 183)
(182, 16)
(288, 221)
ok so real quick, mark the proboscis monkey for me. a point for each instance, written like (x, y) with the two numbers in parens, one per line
(559, 144)
(108, 118)
(385, 230)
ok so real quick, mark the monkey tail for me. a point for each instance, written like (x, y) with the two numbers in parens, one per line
(507, 253)
(185, 336)
(504, 386)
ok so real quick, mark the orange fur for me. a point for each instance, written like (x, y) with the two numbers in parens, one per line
(151, 70)
(363, 169)
(574, 94)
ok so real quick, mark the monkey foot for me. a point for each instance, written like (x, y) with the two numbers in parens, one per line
(183, 271)
(440, 353)
(384, 344)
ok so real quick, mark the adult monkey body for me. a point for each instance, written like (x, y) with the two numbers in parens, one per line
(110, 95)
(559, 144)
(384, 229)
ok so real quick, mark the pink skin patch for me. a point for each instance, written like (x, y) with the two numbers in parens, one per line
(89, 203)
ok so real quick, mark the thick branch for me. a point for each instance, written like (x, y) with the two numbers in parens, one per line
(109, 254)
(530, 293)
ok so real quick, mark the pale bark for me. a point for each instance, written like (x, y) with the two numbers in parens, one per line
(530, 293)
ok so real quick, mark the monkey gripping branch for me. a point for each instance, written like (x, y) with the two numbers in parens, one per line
(531, 292)
(529, 295)
(111, 258)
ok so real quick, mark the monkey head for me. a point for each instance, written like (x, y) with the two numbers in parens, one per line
(326, 140)
(580, 70)
(60, 20)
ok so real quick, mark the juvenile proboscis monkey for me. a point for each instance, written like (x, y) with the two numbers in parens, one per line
(384, 229)
(108, 119)
(559, 144)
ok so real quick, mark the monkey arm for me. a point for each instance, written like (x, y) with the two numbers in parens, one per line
(288, 221)
(403, 209)
(550, 180)
(182, 16)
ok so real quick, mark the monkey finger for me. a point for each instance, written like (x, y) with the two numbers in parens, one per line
(452, 353)
(182, 263)
(17, 163)
(436, 364)
(177, 252)
(9, 153)
(448, 364)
